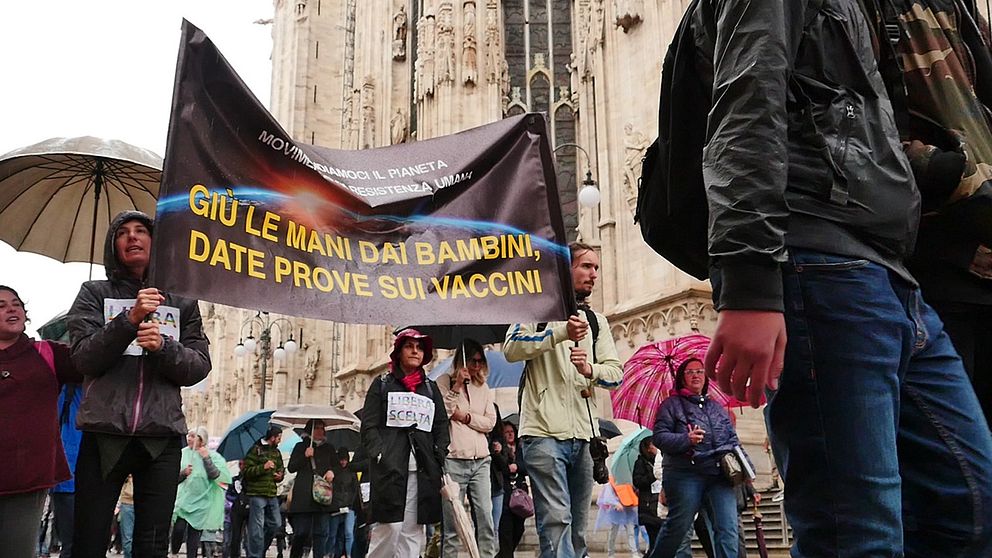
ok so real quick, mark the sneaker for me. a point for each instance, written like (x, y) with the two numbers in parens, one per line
(779, 497)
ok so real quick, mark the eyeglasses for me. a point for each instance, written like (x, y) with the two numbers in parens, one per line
(695, 371)
(476, 362)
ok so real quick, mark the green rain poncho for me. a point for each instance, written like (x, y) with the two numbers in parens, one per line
(199, 500)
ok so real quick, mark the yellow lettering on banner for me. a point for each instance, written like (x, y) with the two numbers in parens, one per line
(283, 268)
(249, 218)
(301, 274)
(296, 236)
(361, 283)
(479, 285)
(408, 288)
(370, 254)
(269, 226)
(199, 205)
(255, 260)
(394, 253)
(199, 246)
(425, 253)
(490, 247)
(445, 253)
(469, 249)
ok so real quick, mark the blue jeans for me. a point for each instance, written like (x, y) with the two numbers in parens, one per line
(689, 493)
(263, 523)
(475, 481)
(497, 511)
(127, 528)
(876, 429)
(561, 480)
(341, 535)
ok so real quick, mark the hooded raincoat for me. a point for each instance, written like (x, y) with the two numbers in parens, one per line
(124, 394)
(200, 499)
(389, 448)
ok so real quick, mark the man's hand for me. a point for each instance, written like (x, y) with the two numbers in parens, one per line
(269, 465)
(329, 476)
(577, 328)
(580, 359)
(308, 452)
(749, 346)
(981, 265)
(145, 303)
(149, 337)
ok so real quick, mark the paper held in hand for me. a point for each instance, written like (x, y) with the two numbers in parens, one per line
(406, 409)
(167, 318)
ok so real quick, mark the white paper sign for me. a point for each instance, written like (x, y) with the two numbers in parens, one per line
(366, 488)
(167, 318)
(656, 487)
(406, 409)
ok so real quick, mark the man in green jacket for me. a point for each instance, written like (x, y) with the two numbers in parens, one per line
(565, 361)
(263, 470)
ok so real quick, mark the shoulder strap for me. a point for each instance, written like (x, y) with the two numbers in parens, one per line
(594, 326)
(45, 350)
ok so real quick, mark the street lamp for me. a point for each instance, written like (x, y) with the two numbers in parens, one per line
(589, 195)
(265, 324)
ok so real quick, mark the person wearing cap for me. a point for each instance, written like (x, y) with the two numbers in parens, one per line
(262, 472)
(136, 347)
(341, 534)
(405, 432)
(203, 478)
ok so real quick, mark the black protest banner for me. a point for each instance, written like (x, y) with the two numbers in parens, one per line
(455, 230)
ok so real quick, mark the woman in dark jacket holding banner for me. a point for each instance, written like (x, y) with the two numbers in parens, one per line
(136, 347)
(693, 432)
(405, 431)
(311, 456)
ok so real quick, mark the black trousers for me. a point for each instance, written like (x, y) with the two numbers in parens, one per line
(183, 531)
(511, 530)
(63, 503)
(239, 521)
(155, 482)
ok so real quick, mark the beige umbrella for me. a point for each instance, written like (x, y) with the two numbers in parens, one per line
(296, 416)
(58, 197)
(463, 523)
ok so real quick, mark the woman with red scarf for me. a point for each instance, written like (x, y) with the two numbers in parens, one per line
(405, 432)
(693, 432)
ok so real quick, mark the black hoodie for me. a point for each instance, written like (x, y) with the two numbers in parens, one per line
(132, 395)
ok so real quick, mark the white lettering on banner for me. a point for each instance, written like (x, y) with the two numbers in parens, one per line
(405, 409)
(167, 318)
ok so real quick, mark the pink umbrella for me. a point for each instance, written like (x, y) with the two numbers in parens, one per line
(649, 377)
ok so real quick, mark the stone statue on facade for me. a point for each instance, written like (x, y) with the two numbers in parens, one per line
(398, 127)
(493, 54)
(573, 77)
(368, 124)
(635, 145)
(399, 34)
(310, 370)
(469, 55)
(427, 33)
(629, 13)
(444, 49)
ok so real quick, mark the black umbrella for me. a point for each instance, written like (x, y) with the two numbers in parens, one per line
(450, 336)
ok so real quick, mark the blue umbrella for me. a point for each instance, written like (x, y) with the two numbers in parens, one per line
(626, 455)
(501, 373)
(243, 433)
(289, 441)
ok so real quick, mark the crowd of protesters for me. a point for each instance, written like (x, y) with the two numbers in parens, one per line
(814, 184)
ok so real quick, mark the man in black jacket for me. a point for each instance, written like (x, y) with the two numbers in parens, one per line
(136, 348)
(812, 210)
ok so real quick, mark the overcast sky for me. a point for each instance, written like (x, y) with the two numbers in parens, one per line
(105, 68)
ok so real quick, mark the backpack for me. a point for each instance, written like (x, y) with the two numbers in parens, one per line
(671, 197)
